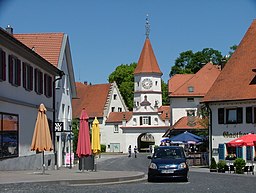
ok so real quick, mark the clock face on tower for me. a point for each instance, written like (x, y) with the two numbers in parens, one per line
(147, 83)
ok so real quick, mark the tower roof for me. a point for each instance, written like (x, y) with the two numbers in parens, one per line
(147, 62)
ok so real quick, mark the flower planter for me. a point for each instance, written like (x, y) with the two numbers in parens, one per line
(213, 170)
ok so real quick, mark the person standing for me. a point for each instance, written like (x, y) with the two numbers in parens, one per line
(135, 151)
(129, 151)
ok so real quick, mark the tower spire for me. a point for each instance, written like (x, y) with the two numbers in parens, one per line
(147, 26)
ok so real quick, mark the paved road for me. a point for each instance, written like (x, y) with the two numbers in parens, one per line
(201, 181)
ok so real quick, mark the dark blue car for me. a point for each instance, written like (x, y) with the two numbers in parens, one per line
(168, 162)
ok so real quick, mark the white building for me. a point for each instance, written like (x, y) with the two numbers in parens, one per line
(186, 91)
(232, 100)
(55, 48)
(26, 81)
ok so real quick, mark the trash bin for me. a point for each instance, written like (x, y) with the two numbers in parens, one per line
(86, 163)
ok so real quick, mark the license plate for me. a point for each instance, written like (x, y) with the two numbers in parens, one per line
(167, 171)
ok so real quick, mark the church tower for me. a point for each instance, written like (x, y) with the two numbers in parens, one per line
(147, 79)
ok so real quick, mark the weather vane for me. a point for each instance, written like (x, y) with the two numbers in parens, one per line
(147, 26)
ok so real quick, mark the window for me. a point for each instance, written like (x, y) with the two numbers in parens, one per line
(112, 109)
(156, 83)
(230, 115)
(119, 109)
(134, 121)
(47, 85)
(115, 96)
(8, 135)
(14, 70)
(38, 81)
(190, 89)
(156, 121)
(116, 129)
(191, 113)
(145, 120)
(190, 99)
(27, 76)
(2, 65)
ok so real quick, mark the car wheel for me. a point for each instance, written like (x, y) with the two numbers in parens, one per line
(185, 179)
(150, 179)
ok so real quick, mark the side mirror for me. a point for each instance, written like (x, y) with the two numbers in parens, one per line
(149, 157)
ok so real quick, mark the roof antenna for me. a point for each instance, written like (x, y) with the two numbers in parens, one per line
(147, 26)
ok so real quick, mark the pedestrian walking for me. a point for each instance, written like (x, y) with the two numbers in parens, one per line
(129, 151)
(135, 151)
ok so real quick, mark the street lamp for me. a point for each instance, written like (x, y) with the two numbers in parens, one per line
(53, 105)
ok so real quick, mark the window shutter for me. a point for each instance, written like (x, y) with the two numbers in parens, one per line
(254, 115)
(221, 115)
(221, 152)
(149, 120)
(10, 70)
(18, 72)
(50, 86)
(41, 82)
(248, 114)
(140, 120)
(239, 112)
(45, 87)
(24, 75)
(249, 153)
(239, 152)
(2, 65)
(36, 77)
(30, 77)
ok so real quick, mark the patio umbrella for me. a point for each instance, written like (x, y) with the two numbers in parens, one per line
(187, 138)
(41, 139)
(83, 144)
(245, 140)
(95, 136)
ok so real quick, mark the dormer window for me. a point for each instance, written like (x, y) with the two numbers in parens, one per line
(190, 89)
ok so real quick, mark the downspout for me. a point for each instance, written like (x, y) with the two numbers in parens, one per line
(210, 132)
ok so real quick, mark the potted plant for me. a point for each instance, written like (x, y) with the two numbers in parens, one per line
(239, 164)
(221, 166)
(213, 166)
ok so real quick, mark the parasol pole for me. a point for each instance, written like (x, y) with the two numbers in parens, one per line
(43, 163)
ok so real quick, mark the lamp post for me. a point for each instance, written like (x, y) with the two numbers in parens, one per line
(54, 112)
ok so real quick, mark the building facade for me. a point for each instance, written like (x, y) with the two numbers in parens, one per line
(26, 81)
(231, 101)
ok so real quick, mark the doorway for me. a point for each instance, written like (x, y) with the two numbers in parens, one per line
(145, 140)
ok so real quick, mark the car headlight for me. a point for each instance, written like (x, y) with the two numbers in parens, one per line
(182, 165)
(153, 166)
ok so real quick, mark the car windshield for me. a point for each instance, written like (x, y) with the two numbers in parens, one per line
(172, 153)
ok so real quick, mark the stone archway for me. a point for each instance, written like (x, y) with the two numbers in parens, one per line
(144, 141)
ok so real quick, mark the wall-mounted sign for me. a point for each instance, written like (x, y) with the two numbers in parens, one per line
(227, 134)
(58, 126)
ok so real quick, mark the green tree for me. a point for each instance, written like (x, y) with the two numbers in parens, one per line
(189, 62)
(123, 76)
(165, 97)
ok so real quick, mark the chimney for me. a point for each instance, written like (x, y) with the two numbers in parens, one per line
(9, 29)
(124, 120)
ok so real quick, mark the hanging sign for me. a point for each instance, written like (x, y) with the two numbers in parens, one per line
(58, 126)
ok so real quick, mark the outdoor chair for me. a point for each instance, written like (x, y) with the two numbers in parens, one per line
(231, 168)
(249, 169)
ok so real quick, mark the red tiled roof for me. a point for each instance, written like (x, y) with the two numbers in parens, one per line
(165, 110)
(201, 82)
(237, 80)
(47, 45)
(147, 62)
(177, 81)
(117, 117)
(183, 123)
(91, 97)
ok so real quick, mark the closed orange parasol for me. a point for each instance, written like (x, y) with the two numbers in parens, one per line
(41, 139)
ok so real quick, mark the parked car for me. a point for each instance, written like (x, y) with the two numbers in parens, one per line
(168, 162)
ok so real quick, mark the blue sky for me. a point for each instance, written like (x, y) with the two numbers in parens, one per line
(106, 33)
